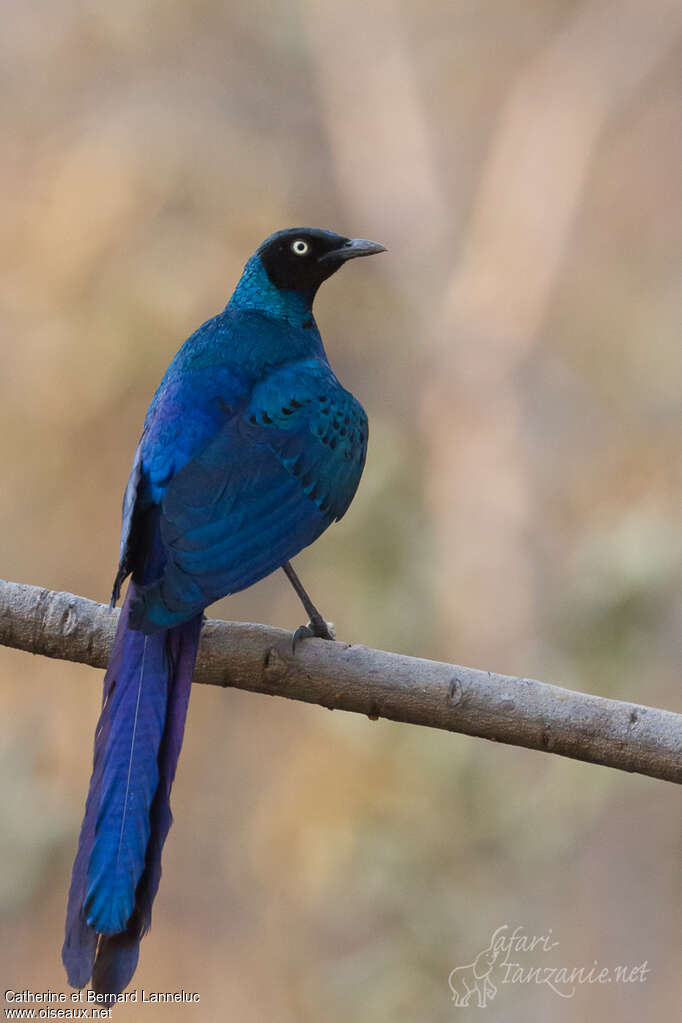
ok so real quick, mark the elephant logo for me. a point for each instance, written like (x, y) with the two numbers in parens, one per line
(475, 979)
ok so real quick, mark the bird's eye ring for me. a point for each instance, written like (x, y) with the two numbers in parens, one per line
(300, 247)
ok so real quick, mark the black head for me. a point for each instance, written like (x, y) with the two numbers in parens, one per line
(300, 258)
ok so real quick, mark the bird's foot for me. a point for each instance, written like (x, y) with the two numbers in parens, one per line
(317, 629)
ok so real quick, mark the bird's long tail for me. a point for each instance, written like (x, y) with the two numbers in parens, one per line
(117, 868)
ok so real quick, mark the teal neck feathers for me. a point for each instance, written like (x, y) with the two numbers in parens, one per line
(256, 291)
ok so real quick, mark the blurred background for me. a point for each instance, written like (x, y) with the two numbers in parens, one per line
(518, 354)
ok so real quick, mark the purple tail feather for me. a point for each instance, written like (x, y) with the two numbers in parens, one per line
(138, 738)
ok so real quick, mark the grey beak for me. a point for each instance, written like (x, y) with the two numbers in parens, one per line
(353, 248)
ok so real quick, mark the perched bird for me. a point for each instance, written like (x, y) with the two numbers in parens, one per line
(250, 449)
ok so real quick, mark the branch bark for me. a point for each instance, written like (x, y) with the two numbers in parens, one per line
(518, 711)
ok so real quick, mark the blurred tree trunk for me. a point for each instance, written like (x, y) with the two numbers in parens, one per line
(493, 308)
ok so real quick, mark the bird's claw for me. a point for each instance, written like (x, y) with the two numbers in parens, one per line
(313, 630)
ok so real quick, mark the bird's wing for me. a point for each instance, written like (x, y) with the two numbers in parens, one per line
(188, 410)
(316, 429)
(265, 486)
(129, 524)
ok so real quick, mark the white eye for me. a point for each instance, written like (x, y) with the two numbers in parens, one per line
(300, 247)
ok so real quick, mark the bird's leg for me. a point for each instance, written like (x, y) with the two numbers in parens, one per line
(317, 626)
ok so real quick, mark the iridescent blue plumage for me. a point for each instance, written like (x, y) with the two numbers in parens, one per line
(250, 449)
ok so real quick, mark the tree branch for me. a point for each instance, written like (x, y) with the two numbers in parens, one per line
(257, 658)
